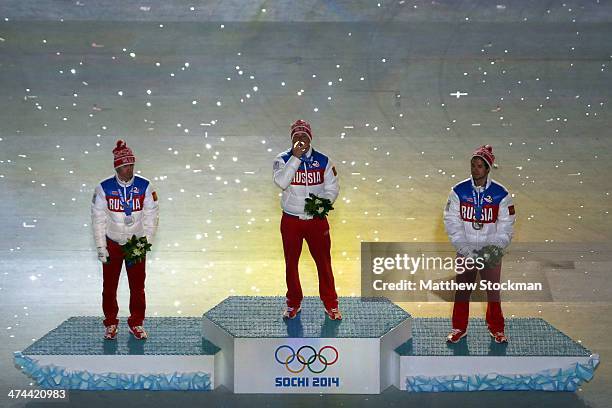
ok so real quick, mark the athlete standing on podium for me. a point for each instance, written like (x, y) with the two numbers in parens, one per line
(301, 171)
(123, 205)
(479, 213)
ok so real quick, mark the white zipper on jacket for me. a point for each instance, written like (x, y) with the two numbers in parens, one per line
(306, 179)
(125, 195)
(478, 231)
(124, 189)
(478, 188)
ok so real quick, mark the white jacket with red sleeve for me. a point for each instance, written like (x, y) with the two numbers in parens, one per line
(298, 177)
(497, 216)
(108, 216)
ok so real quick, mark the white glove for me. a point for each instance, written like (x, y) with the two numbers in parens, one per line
(497, 243)
(467, 251)
(103, 255)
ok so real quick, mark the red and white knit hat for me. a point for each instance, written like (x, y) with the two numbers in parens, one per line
(485, 152)
(123, 155)
(301, 126)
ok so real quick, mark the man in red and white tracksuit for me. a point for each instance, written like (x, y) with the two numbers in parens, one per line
(123, 205)
(479, 212)
(301, 171)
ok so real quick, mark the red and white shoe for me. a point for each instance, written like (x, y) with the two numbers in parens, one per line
(110, 332)
(455, 335)
(291, 312)
(138, 332)
(334, 313)
(499, 337)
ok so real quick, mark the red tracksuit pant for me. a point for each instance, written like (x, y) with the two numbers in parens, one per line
(461, 308)
(136, 278)
(316, 234)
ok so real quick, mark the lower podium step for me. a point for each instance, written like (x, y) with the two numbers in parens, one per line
(537, 357)
(75, 356)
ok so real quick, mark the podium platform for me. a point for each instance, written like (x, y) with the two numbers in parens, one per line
(262, 353)
(244, 344)
(75, 356)
(537, 357)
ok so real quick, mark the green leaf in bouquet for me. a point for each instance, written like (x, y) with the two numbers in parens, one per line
(491, 254)
(317, 207)
(135, 249)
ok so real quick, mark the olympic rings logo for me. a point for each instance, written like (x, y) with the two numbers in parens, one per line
(307, 357)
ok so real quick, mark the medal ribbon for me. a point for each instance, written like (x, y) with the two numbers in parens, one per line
(478, 204)
(308, 160)
(126, 204)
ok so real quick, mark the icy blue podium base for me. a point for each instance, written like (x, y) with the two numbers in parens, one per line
(51, 376)
(537, 357)
(376, 345)
(75, 356)
(568, 379)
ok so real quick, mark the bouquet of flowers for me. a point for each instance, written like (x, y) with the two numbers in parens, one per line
(317, 206)
(491, 254)
(135, 250)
